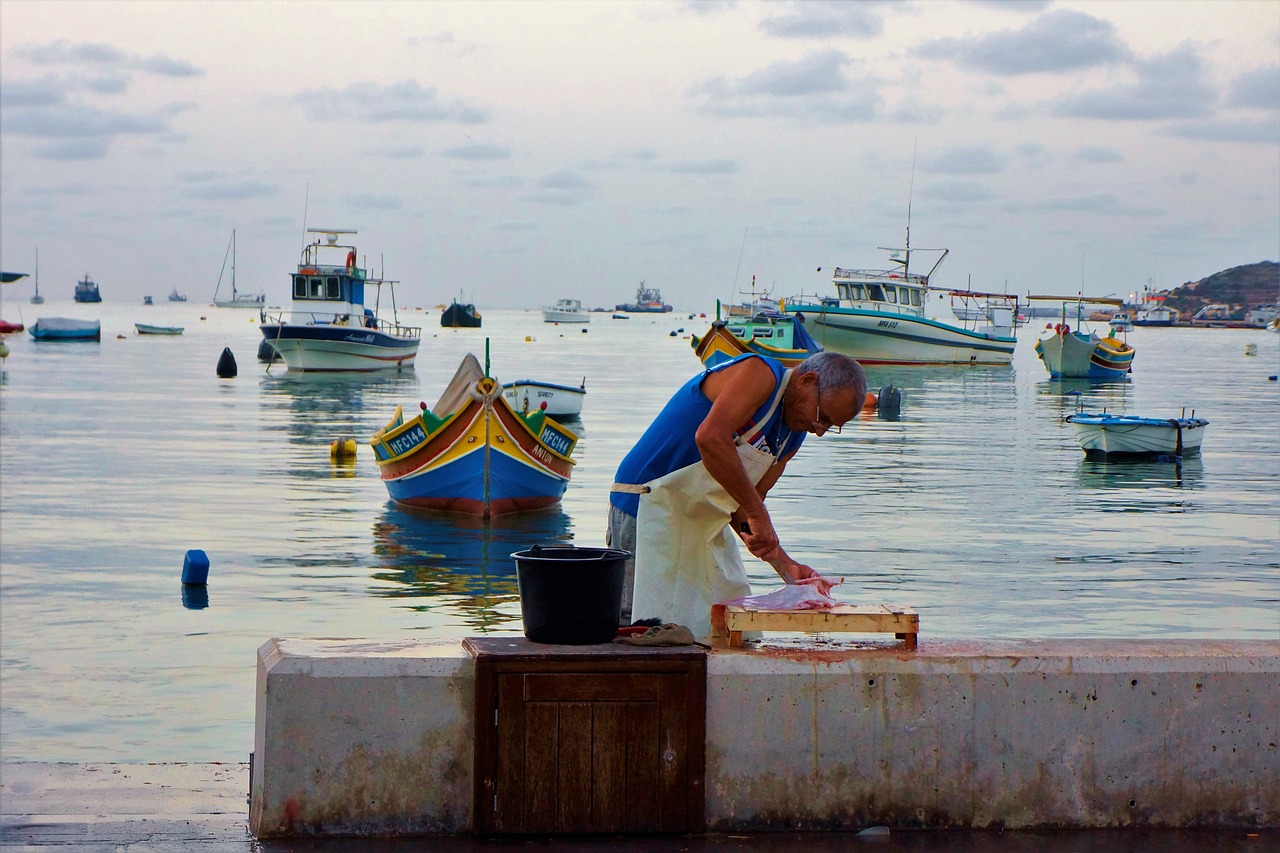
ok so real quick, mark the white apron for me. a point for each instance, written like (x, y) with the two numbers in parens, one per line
(687, 558)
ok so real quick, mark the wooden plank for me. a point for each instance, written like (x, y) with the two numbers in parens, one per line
(609, 766)
(672, 747)
(643, 751)
(695, 757)
(542, 755)
(600, 687)
(846, 618)
(485, 752)
(508, 762)
(573, 790)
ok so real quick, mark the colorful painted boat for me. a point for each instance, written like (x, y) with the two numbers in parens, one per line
(1130, 435)
(558, 401)
(331, 326)
(1077, 352)
(66, 329)
(473, 453)
(878, 317)
(150, 329)
(780, 336)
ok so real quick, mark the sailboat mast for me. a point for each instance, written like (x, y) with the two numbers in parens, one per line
(233, 265)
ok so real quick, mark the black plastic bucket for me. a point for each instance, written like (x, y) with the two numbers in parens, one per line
(570, 595)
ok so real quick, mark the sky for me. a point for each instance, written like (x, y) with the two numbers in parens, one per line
(512, 154)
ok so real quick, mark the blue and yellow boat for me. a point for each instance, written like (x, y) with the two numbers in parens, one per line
(771, 333)
(473, 453)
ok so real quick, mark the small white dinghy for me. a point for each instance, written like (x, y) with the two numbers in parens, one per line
(560, 401)
(1105, 433)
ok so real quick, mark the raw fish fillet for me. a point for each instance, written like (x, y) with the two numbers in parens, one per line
(804, 595)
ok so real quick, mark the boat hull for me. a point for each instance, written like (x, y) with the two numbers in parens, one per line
(483, 460)
(562, 401)
(65, 329)
(875, 337)
(460, 316)
(1074, 355)
(333, 348)
(1128, 435)
(148, 329)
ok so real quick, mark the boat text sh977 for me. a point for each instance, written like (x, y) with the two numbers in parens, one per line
(332, 325)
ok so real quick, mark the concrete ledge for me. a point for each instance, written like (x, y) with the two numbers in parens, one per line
(354, 738)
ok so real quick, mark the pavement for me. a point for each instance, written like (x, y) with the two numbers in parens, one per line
(203, 808)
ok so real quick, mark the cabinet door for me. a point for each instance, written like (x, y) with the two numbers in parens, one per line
(595, 752)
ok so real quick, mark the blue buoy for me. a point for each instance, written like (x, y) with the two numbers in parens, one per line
(195, 568)
(227, 364)
(889, 402)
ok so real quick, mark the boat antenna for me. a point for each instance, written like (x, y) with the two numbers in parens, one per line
(911, 191)
(741, 250)
(306, 200)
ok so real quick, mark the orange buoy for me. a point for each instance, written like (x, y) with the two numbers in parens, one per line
(870, 404)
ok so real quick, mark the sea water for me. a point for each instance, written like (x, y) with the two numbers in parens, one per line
(975, 506)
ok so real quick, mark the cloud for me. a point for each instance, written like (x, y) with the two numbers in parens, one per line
(63, 52)
(45, 92)
(813, 88)
(1059, 40)
(964, 160)
(372, 201)
(1219, 130)
(1099, 154)
(72, 149)
(815, 19)
(956, 191)
(1170, 86)
(564, 180)
(501, 182)
(478, 151)
(237, 190)
(1100, 203)
(706, 167)
(406, 100)
(1258, 89)
(78, 120)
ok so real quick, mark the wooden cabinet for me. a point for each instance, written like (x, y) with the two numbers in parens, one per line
(587, 739)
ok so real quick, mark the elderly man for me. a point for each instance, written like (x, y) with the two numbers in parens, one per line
(699, 475)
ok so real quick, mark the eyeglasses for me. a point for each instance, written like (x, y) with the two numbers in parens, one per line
(825, 423)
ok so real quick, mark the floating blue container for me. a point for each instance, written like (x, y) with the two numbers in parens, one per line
(195, 568)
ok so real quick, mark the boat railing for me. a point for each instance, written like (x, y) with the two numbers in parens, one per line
(894, 277)
(355, 321)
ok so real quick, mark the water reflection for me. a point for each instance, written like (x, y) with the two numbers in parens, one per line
(1092, 395)
(1164, 472)
(426, 555)
(319, 407)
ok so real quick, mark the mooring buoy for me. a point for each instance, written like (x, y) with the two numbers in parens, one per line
(227, 364)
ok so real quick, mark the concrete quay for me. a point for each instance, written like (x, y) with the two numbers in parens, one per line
(365, 739)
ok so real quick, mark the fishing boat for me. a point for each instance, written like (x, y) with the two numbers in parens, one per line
(777, 335)
(239, 299)
(87, 290)
(66, 329)
(879, 317)
(558, 401)
(1129, 435)
(149, 329)
(147, 300)
(1121, 322)
(648, 301)
(1077, 352)
(565, 311)
(473, 453)
(175, 296)
(460, 315)
(333, 324)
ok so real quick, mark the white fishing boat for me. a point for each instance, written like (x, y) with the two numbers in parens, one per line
(239, 299)
(334, 324)
(1071, 350)
(878, 317)
(1130, 435)
(558, 401)
(565, 311)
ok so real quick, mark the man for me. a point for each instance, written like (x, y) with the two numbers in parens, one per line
(699, 475)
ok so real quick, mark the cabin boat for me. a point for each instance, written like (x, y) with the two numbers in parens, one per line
(566, 311)
(333, 324)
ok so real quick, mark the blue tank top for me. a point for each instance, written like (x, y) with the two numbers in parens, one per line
(668, 444)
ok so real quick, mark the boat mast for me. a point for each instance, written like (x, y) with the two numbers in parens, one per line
(233, 265)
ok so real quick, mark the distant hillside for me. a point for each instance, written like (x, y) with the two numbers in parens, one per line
(1242, 288)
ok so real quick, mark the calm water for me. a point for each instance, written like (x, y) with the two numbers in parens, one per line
(976, 507)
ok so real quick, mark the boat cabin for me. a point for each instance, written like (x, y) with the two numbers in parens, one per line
(887, 291)
(329, 286)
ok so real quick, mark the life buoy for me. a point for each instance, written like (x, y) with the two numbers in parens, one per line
(351, 260)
